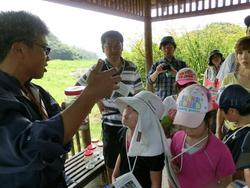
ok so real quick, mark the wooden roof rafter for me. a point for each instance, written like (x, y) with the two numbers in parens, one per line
(173, 9)
(160, 9)
(132, 9)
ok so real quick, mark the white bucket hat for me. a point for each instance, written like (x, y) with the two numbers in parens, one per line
(148, 138)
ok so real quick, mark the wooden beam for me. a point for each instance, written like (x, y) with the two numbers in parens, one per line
(96, 7)
(164, 8)
(203, 12)
(148, 38)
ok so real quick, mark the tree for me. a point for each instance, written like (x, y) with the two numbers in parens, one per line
(66, 52)
(192, 47)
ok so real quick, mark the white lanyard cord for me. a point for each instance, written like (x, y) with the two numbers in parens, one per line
(189, 148)
(126, 145)
(233, 135)
(107, 66)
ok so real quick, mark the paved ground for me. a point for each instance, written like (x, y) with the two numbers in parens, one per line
(97, 183)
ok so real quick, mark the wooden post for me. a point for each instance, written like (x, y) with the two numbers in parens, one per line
(78, 142)
(85, 131)
(72, 148)
(148, 38)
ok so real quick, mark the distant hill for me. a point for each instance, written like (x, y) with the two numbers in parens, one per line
(66, 52)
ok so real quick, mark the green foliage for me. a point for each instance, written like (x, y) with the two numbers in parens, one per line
(62, 74)
(66, 52)
(193, 47)
(137, 55)
(83, 54)
(166, 121)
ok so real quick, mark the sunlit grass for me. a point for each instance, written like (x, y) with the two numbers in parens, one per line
(62, 74)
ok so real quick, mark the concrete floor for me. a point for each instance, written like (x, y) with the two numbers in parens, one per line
(98, 183)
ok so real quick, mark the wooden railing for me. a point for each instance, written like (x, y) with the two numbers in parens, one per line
(81, 139)
(81, 170)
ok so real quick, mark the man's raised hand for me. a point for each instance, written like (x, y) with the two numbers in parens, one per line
(102, 83)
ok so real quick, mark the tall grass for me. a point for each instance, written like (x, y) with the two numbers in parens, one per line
(62, 74)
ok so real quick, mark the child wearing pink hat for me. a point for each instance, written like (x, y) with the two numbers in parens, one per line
(199, 158)
(184, 78)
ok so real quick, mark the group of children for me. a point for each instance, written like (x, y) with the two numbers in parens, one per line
(198, 157)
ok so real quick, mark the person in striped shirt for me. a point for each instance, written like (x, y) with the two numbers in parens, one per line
(131, 83)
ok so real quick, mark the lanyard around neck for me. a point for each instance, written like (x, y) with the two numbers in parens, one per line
(233, 135)
(34, 97)
(126, 145)
(189, 148)
(109, 66)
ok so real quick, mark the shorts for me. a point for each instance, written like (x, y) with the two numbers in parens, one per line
(111, 146)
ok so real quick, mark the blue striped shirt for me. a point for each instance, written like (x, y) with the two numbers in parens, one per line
(130, 77)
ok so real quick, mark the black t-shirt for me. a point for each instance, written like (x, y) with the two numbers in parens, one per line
(143, 164)
(234, 140)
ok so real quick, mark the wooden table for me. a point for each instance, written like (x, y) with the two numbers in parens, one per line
(76, 168)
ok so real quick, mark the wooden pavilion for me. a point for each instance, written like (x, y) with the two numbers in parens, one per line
(150, 11)
(147, 11)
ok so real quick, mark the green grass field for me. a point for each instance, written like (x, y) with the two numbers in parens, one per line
(62, 74)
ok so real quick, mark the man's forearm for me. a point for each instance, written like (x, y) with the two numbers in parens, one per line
(92, 93)
(153, 77)
(76, 113)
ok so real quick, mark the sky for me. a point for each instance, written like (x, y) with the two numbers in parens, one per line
(83, 28)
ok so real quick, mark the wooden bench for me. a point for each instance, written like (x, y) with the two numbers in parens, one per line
(76, 169)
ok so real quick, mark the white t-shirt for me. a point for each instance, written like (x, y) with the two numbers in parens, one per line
(227, 66)
(169, 105)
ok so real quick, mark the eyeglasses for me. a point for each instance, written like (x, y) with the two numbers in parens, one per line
(45, 48)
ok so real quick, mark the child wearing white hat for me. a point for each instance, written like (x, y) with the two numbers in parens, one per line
(184, 78)
(199, 158)
(142, 139)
